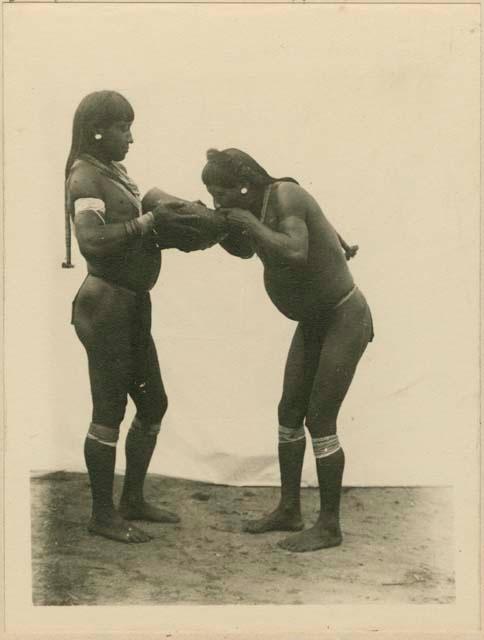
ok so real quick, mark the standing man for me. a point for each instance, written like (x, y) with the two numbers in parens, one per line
(307, 278)
(112, 310)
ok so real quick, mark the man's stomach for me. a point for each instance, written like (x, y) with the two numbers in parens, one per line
(300, 295)
(138, 269)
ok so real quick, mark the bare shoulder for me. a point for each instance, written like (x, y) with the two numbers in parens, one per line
(121, 166)
(291, 199)
(84, 181)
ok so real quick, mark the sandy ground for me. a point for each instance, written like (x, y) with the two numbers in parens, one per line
(397, 548)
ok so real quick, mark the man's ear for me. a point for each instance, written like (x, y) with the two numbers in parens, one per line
(94, 130)
(97, 129)
(244, 188)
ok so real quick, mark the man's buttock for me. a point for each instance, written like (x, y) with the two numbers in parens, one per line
(98, 293)
(351, 309)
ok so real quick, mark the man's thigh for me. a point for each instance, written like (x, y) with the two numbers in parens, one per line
(342, 349)
(301, 366)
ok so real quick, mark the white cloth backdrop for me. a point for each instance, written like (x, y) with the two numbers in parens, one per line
(374, 111)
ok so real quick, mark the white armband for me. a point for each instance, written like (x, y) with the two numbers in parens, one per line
(81, 205)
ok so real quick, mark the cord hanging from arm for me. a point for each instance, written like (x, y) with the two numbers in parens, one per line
(67, 264)
(350, 251)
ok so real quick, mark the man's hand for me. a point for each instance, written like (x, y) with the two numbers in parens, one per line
(240, 219)
(176, 230)
(168, 213)
(188, 226)
(211, 223)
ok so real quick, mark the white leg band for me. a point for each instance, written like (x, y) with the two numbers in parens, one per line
(324, 447)
(105, 435)
(108, 444)
(148, 429)
(287, 435)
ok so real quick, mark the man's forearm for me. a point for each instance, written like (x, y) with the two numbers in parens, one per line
(276, 247)
(103, 240)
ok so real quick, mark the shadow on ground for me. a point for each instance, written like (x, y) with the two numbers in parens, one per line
(397, 548)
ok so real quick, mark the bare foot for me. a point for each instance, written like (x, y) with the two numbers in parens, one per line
(319, 536)
(146, 511)
(116, 528)
(278, 520)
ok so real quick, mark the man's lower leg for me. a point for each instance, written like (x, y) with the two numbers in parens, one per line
(140, 444)
(139, 447)
(326, 532)
(287, 516)
(330, 463)
(100, 456)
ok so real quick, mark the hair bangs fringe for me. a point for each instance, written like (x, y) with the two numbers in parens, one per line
(115, 108)
(215, 173)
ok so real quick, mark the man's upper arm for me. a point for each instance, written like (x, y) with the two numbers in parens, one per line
(295, 228)
(87, 198)
(291, 206)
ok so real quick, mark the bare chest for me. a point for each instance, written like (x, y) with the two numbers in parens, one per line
(121, 205)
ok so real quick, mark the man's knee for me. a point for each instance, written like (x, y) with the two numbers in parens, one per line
(163, 405)
(150, 416)
(158, 410)
(289, 415)
(321, 423)
(145, 427)
(109, 411)
(325, 402)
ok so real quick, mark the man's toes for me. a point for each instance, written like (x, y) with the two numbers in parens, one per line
(285, 544)
(168, 516)
(137, 535)
(140, 538)
(292, 543)
(145, 537)
(131, 535)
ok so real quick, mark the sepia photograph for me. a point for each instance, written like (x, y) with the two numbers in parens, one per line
(242, 303)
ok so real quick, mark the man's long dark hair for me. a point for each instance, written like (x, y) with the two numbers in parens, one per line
(230, 167)
(98, 109)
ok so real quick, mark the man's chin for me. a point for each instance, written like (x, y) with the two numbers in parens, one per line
(121, 156)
